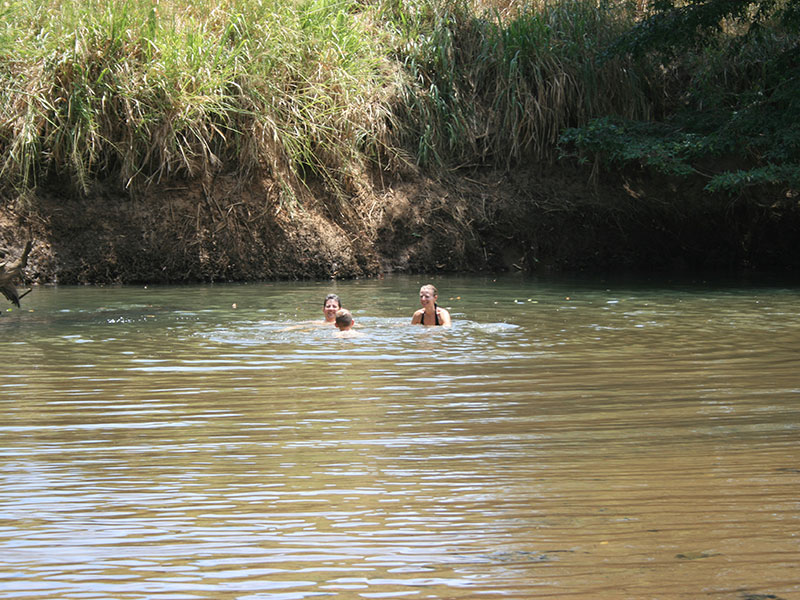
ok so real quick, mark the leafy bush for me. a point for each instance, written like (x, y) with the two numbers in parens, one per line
(739, 97)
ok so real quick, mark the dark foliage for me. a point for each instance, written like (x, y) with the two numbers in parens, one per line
(736, 103)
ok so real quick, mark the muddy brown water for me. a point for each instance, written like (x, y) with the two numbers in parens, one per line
(565, 439)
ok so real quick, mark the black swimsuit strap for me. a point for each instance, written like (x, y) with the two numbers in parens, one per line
(435, 315)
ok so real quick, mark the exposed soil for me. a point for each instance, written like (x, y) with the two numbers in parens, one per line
(531, 219)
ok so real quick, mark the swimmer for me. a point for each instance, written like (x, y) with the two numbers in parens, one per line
(344, 323)
(430, 314)
(331, 305)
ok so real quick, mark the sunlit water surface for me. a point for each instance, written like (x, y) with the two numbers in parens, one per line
(565, 438)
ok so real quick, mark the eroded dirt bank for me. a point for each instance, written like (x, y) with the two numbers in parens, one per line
(538, 219)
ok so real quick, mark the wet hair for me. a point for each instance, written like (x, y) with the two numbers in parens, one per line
(332, 297)
(432, 289)
(344, 318)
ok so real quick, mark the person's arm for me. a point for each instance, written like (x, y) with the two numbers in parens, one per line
(417, 318)
(444, 317)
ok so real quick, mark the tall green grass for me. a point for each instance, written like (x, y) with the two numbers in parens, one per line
(145, 89)
(495, 85)
(142, 90)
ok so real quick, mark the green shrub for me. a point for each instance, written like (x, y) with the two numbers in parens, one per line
(738, 97)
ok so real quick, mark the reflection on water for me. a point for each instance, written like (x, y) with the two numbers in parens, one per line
(564, 439)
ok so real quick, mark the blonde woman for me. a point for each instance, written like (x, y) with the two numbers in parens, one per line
(431, 314)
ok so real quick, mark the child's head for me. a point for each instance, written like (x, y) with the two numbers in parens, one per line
(344, 320)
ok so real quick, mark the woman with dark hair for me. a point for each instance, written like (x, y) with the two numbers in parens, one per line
(331, 305)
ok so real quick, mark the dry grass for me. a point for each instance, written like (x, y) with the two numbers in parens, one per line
(315, 90)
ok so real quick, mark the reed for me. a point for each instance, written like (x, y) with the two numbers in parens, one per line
(498, 85)
(315, 90)
(147, 90)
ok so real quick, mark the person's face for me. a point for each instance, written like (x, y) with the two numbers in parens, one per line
(426, 297)
(331, 306)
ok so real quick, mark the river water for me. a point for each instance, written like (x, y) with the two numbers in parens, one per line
(566, 438)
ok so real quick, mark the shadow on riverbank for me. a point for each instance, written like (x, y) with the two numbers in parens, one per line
(536, 220)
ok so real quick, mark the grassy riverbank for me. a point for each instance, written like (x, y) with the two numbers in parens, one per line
(250, 139)
(142, 90)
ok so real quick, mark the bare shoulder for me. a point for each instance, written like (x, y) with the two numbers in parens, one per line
(348, 334)
(417, 318)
